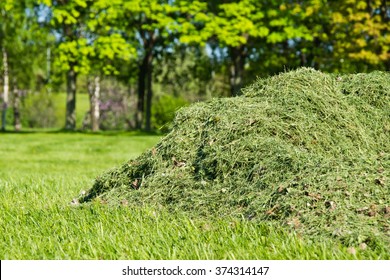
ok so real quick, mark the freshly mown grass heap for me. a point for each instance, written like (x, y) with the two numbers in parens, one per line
(306, 150)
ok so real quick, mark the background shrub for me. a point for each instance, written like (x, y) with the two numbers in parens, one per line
(38, 111)
(163, 111)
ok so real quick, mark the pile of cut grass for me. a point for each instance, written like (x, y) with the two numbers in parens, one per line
(302, 149)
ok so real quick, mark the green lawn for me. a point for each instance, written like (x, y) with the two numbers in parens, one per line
(40, 173)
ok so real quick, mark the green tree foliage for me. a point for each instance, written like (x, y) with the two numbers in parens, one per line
(202, 48)
(347, 35)
(362, 32)
(242, 28)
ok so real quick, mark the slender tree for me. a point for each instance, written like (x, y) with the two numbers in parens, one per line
(67, 20)
(152, 22)
(13, 37)
(5, 90)
(6, 29)
(109, 49)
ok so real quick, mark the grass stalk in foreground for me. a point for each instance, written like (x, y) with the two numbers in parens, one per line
(103, 232)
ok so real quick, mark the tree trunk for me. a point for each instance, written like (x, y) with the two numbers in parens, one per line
(385, 15)
(237, 56)
(130, 123)
(70, 119)
(94, 97)
(384, 11)
(145, 77)
(48, 70)
(149, 91)
(139, 114)
(16, 107)
(315, 53)
(6, 90)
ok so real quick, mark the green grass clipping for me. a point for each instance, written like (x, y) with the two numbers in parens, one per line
(303, 149)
